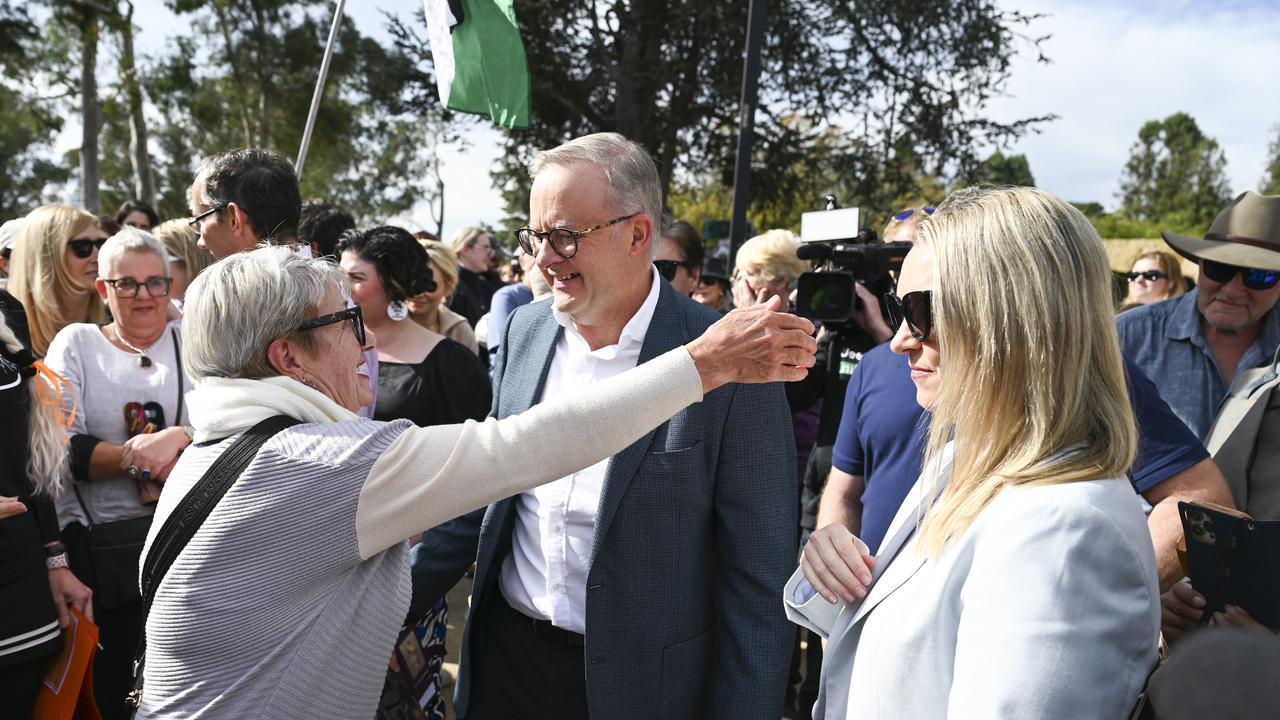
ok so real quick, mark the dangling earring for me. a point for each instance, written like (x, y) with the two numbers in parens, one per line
(398, 310)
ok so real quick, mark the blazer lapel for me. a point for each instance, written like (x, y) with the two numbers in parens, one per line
(664, 333)
(527, 369)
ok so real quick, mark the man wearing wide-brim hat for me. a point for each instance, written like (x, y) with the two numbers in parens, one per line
(1193, 346)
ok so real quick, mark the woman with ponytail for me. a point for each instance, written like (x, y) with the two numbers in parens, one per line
(36, 585)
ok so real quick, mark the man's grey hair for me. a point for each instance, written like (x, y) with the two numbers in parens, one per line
(130, 239)
(632, 175)
(240, 305)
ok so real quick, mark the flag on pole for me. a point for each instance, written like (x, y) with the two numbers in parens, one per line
(479, 58)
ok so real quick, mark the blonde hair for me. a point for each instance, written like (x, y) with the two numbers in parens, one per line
(773, 253)
(180, 240)
(466, 237)
(41, 279)
(446, 259)
(1033, 390)
(1170, 266)
(46, 439)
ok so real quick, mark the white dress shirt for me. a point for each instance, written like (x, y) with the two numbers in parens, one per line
(545, 576)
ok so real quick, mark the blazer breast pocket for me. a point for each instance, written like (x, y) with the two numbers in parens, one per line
(670, 474)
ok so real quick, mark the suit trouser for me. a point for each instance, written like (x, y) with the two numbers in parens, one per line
(524, 668)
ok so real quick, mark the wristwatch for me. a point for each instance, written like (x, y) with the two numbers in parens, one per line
(56, 561)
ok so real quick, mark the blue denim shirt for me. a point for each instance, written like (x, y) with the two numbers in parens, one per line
(1166, 341)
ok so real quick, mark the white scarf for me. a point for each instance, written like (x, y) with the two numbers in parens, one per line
(220, 407)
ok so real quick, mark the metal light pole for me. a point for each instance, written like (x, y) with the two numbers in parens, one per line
(746, 127)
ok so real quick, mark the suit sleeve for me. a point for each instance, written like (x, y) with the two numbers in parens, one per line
(757, 512)
(1056, 599)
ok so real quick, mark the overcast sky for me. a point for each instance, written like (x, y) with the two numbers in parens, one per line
(1115, 66)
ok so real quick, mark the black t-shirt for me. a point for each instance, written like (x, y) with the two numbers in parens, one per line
(449, 386)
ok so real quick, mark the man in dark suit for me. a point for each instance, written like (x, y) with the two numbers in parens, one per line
(645, 586)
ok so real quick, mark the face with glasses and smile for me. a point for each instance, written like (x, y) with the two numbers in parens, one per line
(137, 292)
(331, 361)
(911, 315)
(594, 257)
(1232, 299)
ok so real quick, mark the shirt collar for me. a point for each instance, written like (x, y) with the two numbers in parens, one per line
(632, 333)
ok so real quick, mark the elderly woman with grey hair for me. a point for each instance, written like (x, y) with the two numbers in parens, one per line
(126, 434)
(287, 600)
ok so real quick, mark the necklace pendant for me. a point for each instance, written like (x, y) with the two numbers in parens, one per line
(144, 361)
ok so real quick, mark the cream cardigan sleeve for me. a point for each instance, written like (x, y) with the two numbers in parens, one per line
(429, 475)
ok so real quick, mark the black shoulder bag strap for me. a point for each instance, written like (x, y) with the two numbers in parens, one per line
(190, 514)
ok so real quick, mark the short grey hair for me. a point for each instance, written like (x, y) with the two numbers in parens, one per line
(241, 304)
(130, 239)
(630, 170)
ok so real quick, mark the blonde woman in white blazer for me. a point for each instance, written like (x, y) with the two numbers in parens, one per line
(1018, 579)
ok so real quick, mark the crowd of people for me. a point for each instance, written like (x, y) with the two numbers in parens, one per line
(675, 498)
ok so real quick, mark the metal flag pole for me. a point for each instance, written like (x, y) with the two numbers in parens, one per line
(315, 97)
(746, 129)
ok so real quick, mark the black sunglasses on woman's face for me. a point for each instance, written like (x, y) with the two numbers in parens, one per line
(83, 248)
(915, 309)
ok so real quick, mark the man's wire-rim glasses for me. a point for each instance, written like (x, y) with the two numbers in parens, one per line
(198, 220)
(563, 240)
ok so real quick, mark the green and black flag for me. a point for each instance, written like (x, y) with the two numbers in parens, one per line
(479, 58)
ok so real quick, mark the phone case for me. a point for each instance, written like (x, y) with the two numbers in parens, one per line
(1233, 560)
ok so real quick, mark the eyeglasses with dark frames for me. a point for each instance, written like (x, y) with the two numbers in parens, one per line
(198, 220)
(563, 240)
(352, 313)
(1253, 278)
(915, 309)
(1148, 275)
(128, 287)
(83, 248)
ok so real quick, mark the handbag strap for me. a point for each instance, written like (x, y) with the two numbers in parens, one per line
(190, 514)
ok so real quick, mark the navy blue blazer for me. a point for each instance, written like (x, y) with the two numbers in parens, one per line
(695, 538)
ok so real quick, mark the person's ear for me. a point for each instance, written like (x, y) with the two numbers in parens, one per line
(642, 234)
(696, 274)
(101, 286)
(241, 228)
(282, 355)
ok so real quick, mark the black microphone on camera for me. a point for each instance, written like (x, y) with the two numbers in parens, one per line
(813, 251)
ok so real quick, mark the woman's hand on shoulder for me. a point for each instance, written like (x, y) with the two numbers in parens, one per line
(154, 453)
(837, 564)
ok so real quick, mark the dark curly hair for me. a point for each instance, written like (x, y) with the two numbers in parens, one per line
(321, 224)
(400, 260)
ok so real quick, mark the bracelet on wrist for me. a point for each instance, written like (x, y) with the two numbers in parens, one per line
(54, 548)
(56, 561)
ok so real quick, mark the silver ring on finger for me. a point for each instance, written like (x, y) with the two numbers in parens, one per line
(146, 475)
(133, 471)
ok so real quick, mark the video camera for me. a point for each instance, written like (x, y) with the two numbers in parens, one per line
(843, 256)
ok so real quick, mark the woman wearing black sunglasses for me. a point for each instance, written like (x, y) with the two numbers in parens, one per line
(61, 243)
(1155, 276)
(1019, 569)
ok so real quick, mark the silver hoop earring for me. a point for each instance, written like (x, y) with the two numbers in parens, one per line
(398, 310)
